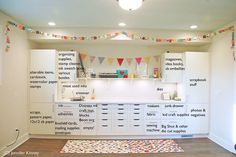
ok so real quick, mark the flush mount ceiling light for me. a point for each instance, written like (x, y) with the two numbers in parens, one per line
(51, 23)
(130, 4)
(193, 26)
(122, 24)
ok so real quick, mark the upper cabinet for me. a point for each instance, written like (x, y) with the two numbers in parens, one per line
(42, 75)
(67, 64)
(197, 77)
(172, 67)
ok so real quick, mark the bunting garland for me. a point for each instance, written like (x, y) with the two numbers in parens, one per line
(7, 38)
(109, 36)
(233, 46)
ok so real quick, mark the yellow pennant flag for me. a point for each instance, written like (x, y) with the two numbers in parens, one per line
(147, 59)
(110, 61)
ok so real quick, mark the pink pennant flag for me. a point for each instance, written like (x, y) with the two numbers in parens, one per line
(91, 58)
(120, 61)
(129, 60)
(83, 56)
(156, 58)
(138, 60)
(101, 59)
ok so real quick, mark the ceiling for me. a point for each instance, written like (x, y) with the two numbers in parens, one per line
(209, 15)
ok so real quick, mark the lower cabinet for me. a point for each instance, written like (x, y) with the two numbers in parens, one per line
(41, 118)
(118, 119)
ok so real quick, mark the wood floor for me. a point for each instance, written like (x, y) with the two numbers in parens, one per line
(51, 148)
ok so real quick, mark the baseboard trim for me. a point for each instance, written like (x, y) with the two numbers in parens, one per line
(116, 136)
(223, 143)
(6, 150)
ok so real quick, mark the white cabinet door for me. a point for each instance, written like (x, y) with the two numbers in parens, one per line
(152, 114)
(87, 119)
(104, 119)
(136, 119)
(42, 75)
(172, 67)
(67, 119)
(197, 77)
(41, 118)
(67, 62)
(120, 119)
(198, 118)
(173, 111)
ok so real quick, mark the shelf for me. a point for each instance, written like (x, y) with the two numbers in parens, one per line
(128, 79)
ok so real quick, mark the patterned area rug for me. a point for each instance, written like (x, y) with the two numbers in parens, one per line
(121, 146)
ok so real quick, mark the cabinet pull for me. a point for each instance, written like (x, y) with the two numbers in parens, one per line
(136, 104)
(136, 113)
(120, 125)
(104, 113)
(104, 125)
(120, 104)
(136, 119)
(137, 109)
(104, 119)
(136, 125)
(104, 104)
(120, 108)
(120, 119)
(104, 108)
(120, 113)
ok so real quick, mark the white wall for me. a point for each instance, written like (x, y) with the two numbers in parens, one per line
(222, 108)
(13, 91)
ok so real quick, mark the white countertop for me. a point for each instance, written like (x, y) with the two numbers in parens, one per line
(132, 101)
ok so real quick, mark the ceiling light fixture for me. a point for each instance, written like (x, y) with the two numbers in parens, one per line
(130, 4)
(51, 23)
(122, 24)
(193, 26)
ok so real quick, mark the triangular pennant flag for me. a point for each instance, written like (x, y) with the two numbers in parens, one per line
(156, 58)
(147, 59)
(91, 58)
(120, 61)
(83, 56)
(101, 59)
(138, 60)
(110, 61)
(129, 60)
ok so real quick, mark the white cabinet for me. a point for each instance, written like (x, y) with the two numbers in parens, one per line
(87, 119)
(42, 82)
(152, 116)
(197, 77)
(104, 119)
(136, 119)
(42, 78)
(197, 91)
(67, 63)
(120, 119)
(172, 67)
(41, 118)
(67, 119)
(198, 118)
